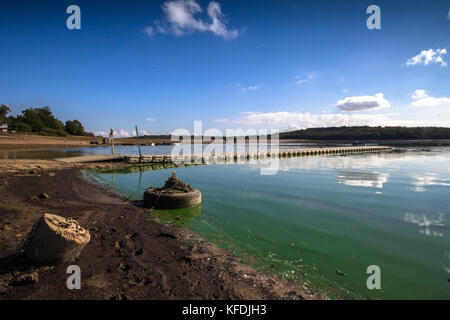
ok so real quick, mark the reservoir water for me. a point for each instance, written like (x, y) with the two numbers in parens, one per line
(323, 220)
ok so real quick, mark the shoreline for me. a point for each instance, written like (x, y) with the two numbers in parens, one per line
(32, 141)
(131, 255)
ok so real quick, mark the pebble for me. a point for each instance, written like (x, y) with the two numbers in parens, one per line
(25, 279)
(46, 268)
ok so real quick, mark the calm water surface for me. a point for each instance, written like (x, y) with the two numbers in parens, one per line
(324, 220)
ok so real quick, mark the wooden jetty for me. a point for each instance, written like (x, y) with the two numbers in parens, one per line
(239, 157)
(229, 157)
(95, 158)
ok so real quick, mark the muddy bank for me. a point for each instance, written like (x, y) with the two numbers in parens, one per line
(130, 255)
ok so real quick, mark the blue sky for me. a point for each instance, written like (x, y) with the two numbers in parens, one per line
(232, 64)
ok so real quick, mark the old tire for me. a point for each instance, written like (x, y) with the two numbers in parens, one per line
(171, 200)
(55, 239)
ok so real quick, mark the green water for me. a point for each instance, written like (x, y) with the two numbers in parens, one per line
(323, 220)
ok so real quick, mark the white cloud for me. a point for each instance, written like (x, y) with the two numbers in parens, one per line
(151, 120)
(293, 127)
(308, 78)
(421, 99)
(149, 31)
(448, 15)
(181, 16)
(359, 103)
(251, 88)
(246, 89)
(223, 120)
(159, 27)
(419, 94)
(217, 26)
(180, 19)
(102, 133)
(294, 120)
(123, 133)
(426, 57)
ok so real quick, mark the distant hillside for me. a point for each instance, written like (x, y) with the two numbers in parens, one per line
(156, 136)
(368, 133)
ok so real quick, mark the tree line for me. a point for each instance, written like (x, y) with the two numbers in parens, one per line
(369, 133)
(42, 121)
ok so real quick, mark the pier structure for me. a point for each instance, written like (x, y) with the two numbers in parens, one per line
(242, 157)
(226, 157)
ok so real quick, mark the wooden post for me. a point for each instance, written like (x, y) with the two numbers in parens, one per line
(111, 138)
(139, 145)
(140, 180)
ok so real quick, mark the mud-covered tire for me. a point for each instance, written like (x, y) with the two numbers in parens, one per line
(171, 201)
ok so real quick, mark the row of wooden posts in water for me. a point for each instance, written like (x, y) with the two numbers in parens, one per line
(232, 157)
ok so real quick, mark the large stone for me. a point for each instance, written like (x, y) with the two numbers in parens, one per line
(55, 239)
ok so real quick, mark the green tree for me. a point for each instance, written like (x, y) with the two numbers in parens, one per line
(41, 120)
(4, 110)
(74, 128)
(31, 117)
(48, 120)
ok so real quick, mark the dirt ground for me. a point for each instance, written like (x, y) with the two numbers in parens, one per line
(130, 255)
(33, 141)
